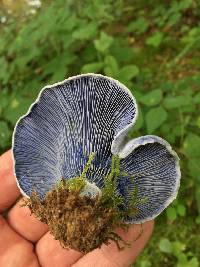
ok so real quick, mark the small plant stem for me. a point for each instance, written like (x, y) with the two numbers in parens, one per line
(88, 164)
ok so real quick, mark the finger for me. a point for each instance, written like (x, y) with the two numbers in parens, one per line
(14, 250)
(110, 256)
(51, 254)
(8, 189)
(25, 223)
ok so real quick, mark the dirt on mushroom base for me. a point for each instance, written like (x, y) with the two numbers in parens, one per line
(81, 222)
(78, 222)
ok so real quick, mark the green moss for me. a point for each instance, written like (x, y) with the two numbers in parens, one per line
(110, 196)
(80, 222)
(76, 184)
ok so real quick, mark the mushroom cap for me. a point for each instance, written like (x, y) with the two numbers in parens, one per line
(156, 173)
(68, 121)
(85, 114)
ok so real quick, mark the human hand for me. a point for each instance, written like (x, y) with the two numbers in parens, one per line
(26, 242)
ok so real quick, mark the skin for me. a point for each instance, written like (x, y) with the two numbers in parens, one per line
(25, 241)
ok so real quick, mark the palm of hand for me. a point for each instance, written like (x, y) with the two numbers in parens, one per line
(26, 242)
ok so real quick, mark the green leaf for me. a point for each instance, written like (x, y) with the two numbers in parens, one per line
(191, 145)
(177, 101)
(145, 263)
(86, 32)
(4, 100)
(140, 120)
(155, 40)
(193, 262)
(181, 210)
(152, 98)
(184, 4)
(197, 220)
(4, 73)
(174, 18)
(154, 118)
(188, 109)
(128, 72)
(121, 50)
(165, 245)
(197, 196)
(171, 214)
(59, 74)
(92, 67)
(194, 168)
(139, 26)
(197, 98)
(16, 108)
(58, 63)
(111, 66)
(26, 57)
(178, 247)
(182, 260)
(4, 134)
(103, 43)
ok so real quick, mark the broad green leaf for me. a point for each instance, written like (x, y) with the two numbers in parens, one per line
(4, 73)
(197, 196)
(122, 51)
(137, 94)
(32, 88)
(155, 40)
(145, 263)
(176, 101)
(4, 134)
(194, 167)
(86, 32)
(60, 61)
(197, 98)
(139, 26)
(4, 100)
(182, 260)
(165, 245)
(70, 22)
(174, 18)
(197, 220)
(140, 120)
(111, 66)
(104, 42)
(178, 247)
(177, 130)
(128, 72)
(17, 107)
(26, 56)
(171, 213)
(184, 4)
(152, 98)
(181, 210)
(191, 145)
(194, 262)
(190, 108)
(154, 118)
(198, 122)
(59, 74)
(92, 67)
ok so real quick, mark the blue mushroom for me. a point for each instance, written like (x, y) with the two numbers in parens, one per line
(87, 114)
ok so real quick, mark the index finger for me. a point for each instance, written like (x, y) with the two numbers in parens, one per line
(9, 191)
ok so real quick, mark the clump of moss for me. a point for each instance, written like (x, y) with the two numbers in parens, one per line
(78, 221)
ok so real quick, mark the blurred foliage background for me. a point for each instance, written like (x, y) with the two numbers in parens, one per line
(151, 46)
